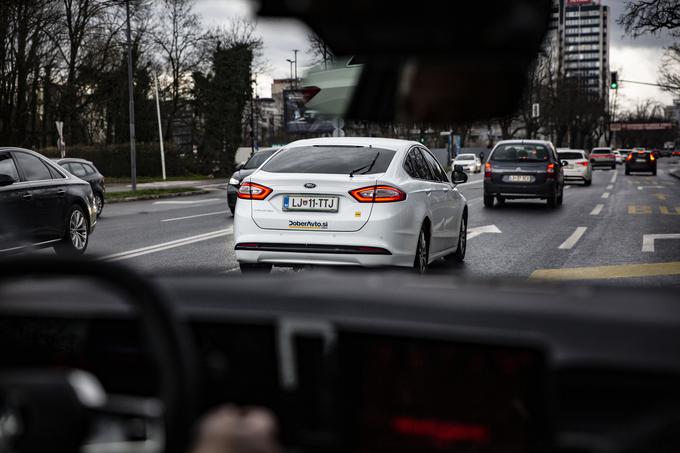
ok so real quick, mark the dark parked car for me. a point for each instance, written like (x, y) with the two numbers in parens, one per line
(521, 169)
(85, 170)
(641, 161)
(243, 170)
(41, 205)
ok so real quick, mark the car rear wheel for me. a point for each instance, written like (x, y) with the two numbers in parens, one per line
(77, 235)
(654, 172)
(552, 201)
(422, 256)
(488, 200)
(99, 203)
(613, 166)
(627, 171)
(254, 268)
(560, 198)
(587, 182)
(459, 254)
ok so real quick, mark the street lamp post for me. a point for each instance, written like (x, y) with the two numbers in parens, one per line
(291, 72)
(295, 51)
(131, 95)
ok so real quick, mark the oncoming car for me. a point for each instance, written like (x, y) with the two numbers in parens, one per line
(469, 162)
(350, 202)
(243, 170)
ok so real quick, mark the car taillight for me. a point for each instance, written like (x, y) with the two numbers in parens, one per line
(611, 156)
(252, 191)
(651, 157)
(550, 169)
(585, 163)
(378, 194)
(487, 170)
(629, 157)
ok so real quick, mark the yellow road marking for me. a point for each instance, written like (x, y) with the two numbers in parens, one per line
(660, 196)
(602, 272)
(666, 211)
(639, 209)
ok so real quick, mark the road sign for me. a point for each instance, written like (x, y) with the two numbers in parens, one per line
(535, 110)
(60, 143)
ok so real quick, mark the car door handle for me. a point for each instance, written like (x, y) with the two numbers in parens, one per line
(428, 192)
(60, 193)
(28, 196)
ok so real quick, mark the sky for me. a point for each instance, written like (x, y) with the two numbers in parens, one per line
(634, 59)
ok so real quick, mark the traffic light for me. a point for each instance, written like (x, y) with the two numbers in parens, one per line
(614, 80)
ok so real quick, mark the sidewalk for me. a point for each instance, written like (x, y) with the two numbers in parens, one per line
(199, 184)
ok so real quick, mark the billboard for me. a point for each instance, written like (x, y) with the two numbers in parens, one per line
(640, 126)
(579, 2)
(298, 119)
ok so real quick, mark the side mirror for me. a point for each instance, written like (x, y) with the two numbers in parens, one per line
(239, 166)
(458, 168)
(6, 180)
(458, 176)
(565, 163)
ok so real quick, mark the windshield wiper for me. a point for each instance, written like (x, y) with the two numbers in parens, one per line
(370, 166)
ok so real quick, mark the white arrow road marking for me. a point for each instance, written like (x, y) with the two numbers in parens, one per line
(573, 239)
(476, 231)
(167, 245)
(650, 187)
(596, 210)
(648, 240)
(605, 195)
(205, 200)
(194, 216)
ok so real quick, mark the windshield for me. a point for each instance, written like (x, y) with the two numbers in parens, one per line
(258, 159)
(331, 160)
(466, 157)
(520, 153)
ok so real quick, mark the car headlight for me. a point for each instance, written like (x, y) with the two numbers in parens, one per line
(234, 182)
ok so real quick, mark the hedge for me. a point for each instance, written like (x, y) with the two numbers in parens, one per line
(114, 160)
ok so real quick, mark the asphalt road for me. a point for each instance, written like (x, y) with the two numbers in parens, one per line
(601, 232)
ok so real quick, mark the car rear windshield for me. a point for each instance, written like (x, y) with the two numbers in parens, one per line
(570, 155)
(258, 159)
(601, 151)
(331, 160)
(468, 157)
(520, 153)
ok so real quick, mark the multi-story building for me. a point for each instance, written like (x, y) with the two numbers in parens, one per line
(579, 36)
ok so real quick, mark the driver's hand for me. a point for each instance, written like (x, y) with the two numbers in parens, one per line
(230, 429)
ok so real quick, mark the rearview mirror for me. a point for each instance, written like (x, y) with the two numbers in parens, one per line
(6, 180)
(565, 163)
(458, 176)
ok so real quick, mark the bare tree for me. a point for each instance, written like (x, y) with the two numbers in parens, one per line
(651, 16)
(319, 50)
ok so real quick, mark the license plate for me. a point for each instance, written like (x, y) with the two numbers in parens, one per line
(304, 203)
(571, 166)
(519, 178)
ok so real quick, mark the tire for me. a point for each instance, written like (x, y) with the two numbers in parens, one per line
(552, 201)
(420, 261)
(459, 255)
(614, 167)
(627, 171)
(587, 182)
(560, 198)
(255, 268)
(501, 200)
(488, 201)
(654, 172)
(99, 203)
(77, 236)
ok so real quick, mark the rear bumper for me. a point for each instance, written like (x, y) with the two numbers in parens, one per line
(393, 235)
(640, 166)
(510, 190)
(578, 174)
(603, 163)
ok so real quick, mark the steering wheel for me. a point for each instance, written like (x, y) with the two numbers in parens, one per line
(169, 342)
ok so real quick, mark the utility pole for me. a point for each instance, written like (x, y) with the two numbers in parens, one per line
(252, 122)
(160, 127)
(131, 95)
(295, 51)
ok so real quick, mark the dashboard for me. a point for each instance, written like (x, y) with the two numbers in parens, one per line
(446, 368)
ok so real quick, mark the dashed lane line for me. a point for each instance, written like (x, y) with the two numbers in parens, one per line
(573, 239)
(194, 216)
(597, 209)
(604, 272)
(605, 195)
(610, 186)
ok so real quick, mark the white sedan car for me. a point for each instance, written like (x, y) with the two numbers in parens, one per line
(578, 166)
(469, 162)
(350, 201)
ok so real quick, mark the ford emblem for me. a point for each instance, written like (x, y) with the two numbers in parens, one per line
(310, 185)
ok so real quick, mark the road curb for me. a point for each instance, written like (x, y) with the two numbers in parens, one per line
(158, 196)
